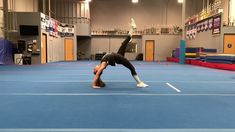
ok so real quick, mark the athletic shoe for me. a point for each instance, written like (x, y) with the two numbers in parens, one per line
(132, 27)
(132, 24)
(96, 87)
(142, 85)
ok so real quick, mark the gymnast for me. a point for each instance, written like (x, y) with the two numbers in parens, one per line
(112, 58)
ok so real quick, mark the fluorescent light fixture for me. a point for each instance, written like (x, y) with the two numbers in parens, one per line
(180, 1)
(88, 0)
(135, 1)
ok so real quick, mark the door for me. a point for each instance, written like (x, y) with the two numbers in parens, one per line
(149, 50)
(44, 49)
(229, 44)
(68, 49)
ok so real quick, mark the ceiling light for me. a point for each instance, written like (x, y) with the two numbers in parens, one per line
(180, 1)
(135, 1)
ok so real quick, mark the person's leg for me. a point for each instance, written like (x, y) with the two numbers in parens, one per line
(124, 44)
(128, 65)
(122, 49)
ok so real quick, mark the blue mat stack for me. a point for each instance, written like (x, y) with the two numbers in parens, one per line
(221, 58)
(5, 52)
(206, 52)
(192, 52)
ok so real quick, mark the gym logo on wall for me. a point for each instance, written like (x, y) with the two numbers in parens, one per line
(229, 45)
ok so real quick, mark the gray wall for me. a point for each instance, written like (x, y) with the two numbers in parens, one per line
(117, 13)
(55, 48)
(206, 40)
(27, 18)
(55, 45)
(110, 14)
(110, 44)
(25, 5)
(84, 47)
(164, 44)
(193, 7)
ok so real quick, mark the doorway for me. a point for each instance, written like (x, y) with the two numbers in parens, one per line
(149, 50)
(229, 44)
(69, 49)
(44, 49)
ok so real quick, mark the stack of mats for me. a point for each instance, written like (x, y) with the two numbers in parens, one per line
(177, 52)
(206, 52)
(221, 58)
(189, 52)
(192, 52)
(209, 50)
(223, 66)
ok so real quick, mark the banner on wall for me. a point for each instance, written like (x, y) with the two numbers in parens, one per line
(66, 30)
(210, 23)
(55, 28)
(44, 22)
(43, 25)
(216, 24)
(191, 32)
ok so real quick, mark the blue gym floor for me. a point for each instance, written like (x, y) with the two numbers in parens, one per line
(57, 97)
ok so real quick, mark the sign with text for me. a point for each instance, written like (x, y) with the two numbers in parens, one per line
(56, 28)
(216, 25)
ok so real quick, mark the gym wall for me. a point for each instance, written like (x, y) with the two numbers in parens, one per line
(164, 44)
(117, 13)
(207, 40)
(1, 20)
(100, 44)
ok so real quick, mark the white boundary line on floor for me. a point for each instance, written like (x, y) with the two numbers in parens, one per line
(116, 130)
(173, 87)
(121, 81)
(109, 94)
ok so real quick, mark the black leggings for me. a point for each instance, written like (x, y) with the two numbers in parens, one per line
(123, 60)
(122, 49)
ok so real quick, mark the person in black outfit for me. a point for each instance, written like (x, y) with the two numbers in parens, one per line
(113, 58)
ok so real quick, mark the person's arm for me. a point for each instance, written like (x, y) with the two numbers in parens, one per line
(97, 78)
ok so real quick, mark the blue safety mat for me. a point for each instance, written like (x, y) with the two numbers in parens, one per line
(227, 59)
(58, 97)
